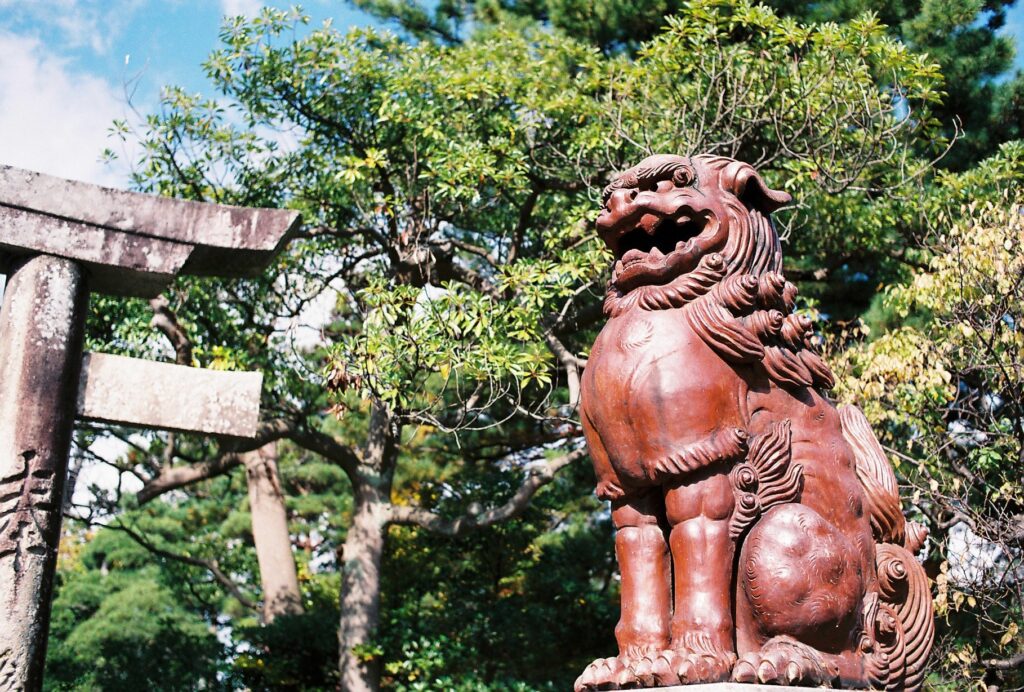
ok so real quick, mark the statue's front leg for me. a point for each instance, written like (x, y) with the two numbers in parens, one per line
(643, 629)
(701, 648)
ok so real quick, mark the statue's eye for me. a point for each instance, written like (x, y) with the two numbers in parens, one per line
(682, 176)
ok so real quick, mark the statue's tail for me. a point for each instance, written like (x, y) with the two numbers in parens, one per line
(901, 622)
(905, 625)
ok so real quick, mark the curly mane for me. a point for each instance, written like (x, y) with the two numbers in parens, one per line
(738, 301)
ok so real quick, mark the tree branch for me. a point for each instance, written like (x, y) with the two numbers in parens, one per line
(448, 268)
(536, 478)
(166, 321)
(1004, 663)
(572, 365)
(211, 565)
(525, 215)
(329, 448)
(173, 477)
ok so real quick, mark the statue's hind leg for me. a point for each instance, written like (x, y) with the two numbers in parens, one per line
(800, 593)
(642, 632)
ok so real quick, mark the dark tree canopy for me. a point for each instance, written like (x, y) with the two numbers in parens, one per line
(984, 101)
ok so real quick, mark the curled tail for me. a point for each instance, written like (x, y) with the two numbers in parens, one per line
(901, 625)
(905, 627)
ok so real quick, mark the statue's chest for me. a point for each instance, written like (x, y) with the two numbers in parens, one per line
(650, 357)
(652, 386)
(639, 340)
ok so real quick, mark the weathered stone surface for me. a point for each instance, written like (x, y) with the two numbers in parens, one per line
(57, 235)
(41, 327)
(119, 234)
(147, 394)
(118, 263)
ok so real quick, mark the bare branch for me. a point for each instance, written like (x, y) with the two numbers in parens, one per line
(1005, 663)
(211, 565)
(329, 448)
(536, 478)
(173, 477)
(572, 366)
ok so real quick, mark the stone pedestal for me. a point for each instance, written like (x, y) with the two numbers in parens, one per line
(730, 687)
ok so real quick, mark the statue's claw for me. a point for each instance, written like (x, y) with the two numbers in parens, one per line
(686, 668)
(744, 671)
(792, 673)
(785, 661)
(606, 674)
(766, 673)
(643, 672)
(665, 669)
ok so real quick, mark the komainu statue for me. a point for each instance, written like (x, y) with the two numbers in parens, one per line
(758, 529)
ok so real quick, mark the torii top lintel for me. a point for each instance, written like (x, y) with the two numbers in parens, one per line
(133, 243)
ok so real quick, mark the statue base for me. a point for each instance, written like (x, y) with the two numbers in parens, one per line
(729, 687)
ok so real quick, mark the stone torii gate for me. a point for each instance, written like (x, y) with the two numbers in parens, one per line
(59, 241)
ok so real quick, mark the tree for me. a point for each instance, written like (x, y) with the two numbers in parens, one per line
(945, 386)
(960, 36)
(278, 576)
(121, 625)
(448, 192)
(611, 25)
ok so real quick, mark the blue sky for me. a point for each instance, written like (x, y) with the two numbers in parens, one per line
(65, 64)
(67, 68)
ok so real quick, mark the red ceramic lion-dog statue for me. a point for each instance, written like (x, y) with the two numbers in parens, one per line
(758, 528)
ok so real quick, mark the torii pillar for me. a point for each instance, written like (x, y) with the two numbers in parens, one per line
(59, 241)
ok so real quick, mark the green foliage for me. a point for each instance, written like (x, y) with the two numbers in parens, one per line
(118, 624)
(815, 109)
(455, 149)
(962, 37)
(524, 605)
(614, 25)
(948, 396)
(295, 652)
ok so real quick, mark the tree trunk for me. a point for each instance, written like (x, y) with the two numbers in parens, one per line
(359, 665)
(278, 576)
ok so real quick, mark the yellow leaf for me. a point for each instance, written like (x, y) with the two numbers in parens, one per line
(1009, 635)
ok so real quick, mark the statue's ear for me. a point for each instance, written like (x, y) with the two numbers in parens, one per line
(743, 181)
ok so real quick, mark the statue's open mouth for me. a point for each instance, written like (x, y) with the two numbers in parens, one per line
(657, 255)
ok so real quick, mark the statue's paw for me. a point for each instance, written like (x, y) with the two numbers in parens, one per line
(686, 668)
(643, 671)
(607, 674)
(785, 661)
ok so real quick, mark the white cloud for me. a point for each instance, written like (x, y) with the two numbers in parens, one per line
(247, 8)
(53, 119)
(81, 23)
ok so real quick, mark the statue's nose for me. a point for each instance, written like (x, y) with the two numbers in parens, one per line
(621, 199)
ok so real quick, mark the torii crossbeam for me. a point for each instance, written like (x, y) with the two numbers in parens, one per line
(59, 241)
